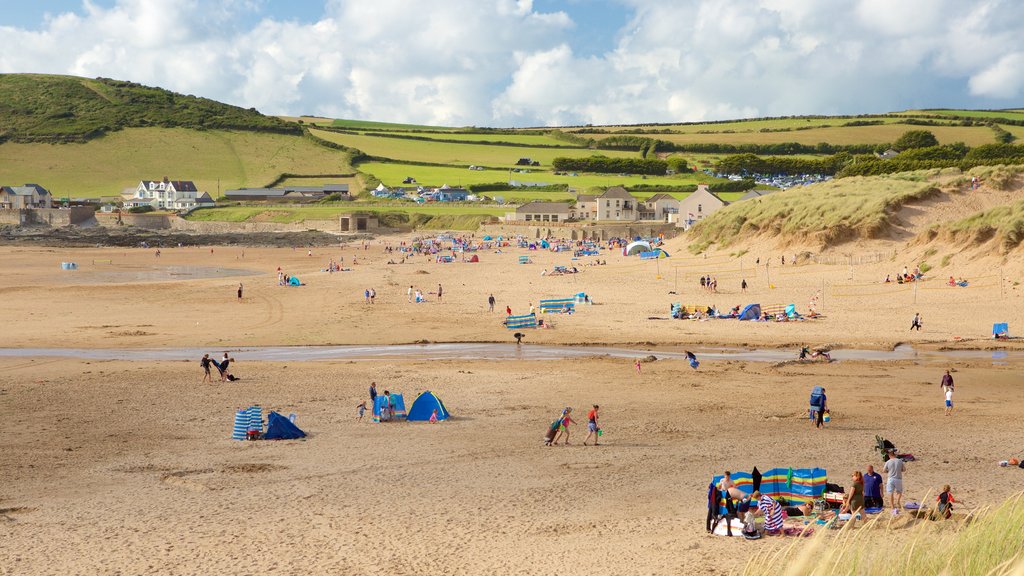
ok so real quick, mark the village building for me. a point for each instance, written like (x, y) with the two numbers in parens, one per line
(616, 205)
(25, 196)
(699, 205)
(167, 195)
(660, 207)
(288, 193)
(542, 212)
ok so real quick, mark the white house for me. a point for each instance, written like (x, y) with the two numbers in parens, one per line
(698, 206)
(168, 195)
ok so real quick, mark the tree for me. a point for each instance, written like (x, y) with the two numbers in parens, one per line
(915, 139)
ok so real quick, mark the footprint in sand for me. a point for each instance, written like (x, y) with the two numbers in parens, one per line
(181, 479)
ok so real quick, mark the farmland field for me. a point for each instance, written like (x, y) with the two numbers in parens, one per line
(520, 138)
(742, 125)
(106, 166)
(1007, 114)
(392, 174)
(463, 154)
(883, 134)
(369, 124)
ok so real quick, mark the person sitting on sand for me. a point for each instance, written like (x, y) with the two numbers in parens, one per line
(804, 509)
(1012, 462)
(433, 417)
(945, 500)
(854, 499)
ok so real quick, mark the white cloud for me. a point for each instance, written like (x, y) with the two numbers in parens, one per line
(506, 62)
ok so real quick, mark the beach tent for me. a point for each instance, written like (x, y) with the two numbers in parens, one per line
(791, 311)
(487, 238)
(544, 244)
(397, 407)
(751, 312)
(653, 254)
(281, 428)
(425, 405)
(294, 281)
(635, 248)
(1001, 329)
(474, 258)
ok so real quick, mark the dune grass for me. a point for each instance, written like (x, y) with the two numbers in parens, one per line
(830, 212)
(107, 165)
(987, 543)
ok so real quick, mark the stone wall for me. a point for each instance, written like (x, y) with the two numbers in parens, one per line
(147, 221)
(580, 230)
(183, 225)
(46, 216)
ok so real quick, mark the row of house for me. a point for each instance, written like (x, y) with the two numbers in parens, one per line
(618, 205)
(289, 193)
(25, 196)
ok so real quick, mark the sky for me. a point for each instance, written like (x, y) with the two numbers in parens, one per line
(537, 62)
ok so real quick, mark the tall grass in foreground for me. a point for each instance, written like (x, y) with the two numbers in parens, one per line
(989, 542)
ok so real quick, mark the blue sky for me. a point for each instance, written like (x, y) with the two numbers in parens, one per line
(538, 62)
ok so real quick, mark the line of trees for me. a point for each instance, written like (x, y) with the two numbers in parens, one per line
(606, 165)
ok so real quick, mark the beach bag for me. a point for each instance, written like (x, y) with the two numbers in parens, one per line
(818, 398)
(827, 417)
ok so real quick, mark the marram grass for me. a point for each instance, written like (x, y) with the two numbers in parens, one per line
(986, 543)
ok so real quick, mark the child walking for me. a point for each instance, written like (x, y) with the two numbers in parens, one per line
(361, 409)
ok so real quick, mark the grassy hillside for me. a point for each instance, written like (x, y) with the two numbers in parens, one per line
(105, 166)
(44, 108)
(827, 213)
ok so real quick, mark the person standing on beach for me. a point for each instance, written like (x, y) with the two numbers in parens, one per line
(408, 293)
(894, 480)
(440, 292)
(636, 364)
(224, 363)
(531, 309)
(947, 381)
(490, 303)
(916, 322)
(743, 285)
(239, 291)
(373, 295)
(873, 489)
(592, 426)
(366, 296)
(949, 400)
(508, 310)
(205, 363)
(373, 392)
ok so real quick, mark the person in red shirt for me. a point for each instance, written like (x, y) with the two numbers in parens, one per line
(508, 310)
(592, 427)
(945, 500)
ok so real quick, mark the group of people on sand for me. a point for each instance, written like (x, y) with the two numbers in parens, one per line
(863, 496)
(222, 368)
(905, 276)
(559, 429)
(415, 295)
(709, 284)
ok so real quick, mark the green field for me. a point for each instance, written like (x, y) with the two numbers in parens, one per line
(521, 138)
(392, 174)
(106, 166)
(369, 124)
(441, 152)
(883, 134)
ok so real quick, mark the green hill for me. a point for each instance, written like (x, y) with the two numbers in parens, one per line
(45, 108)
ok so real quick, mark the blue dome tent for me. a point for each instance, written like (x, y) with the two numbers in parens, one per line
(281, 428)
(425, 405)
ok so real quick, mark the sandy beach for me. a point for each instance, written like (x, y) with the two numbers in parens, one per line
(127, 467)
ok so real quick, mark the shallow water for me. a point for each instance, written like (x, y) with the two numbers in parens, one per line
(493, 351)
(98, 274)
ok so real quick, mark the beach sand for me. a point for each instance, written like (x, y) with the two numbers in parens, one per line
(120, 467)
(127, 467)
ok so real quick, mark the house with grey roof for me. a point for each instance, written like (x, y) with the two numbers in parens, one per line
(659, 207)
(288, 193)
(167, 194)
(616, 205)
(25, 196)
